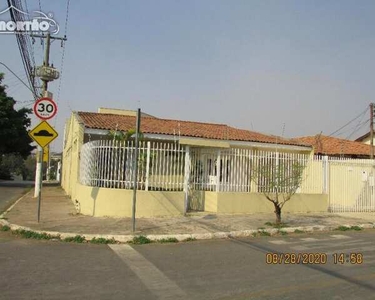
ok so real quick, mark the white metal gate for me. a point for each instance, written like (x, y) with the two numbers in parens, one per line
(351, 185)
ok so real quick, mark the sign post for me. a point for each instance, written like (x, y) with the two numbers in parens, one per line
(43, 134)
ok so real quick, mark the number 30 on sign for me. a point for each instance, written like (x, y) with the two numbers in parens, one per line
(45, 108)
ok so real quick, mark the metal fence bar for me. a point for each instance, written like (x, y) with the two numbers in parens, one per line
(348, 182)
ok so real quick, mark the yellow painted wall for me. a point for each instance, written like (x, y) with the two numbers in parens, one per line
(312, 182)
(256, 202)
(100, 202)
(166, 181)
(348, 185)
(210, 203)
(73, 140)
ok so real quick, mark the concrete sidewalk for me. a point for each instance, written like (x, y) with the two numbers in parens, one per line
(58, 215)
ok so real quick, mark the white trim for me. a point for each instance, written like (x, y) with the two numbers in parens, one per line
(270, 146)
(169, 137)
(96, 131)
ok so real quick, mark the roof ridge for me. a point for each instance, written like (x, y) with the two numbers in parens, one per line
(327, 136)
(155, 118)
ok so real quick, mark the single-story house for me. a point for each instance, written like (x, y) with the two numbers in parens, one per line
(182, 165)
(336, 147)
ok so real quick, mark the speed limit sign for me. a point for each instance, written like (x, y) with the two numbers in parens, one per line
(45, 108)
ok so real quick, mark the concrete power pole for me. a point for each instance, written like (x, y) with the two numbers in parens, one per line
(39, 163)
(46, 74)
(372, 130)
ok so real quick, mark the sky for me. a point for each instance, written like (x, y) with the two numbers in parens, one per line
(290, 68)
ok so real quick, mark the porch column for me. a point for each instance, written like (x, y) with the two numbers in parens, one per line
(218, 170)
(186, 178)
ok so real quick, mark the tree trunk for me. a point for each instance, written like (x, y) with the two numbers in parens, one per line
(278, 213)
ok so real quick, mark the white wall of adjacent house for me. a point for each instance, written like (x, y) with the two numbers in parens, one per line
(367, 140)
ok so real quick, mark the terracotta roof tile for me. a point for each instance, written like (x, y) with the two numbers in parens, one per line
(182, 128)
(335, 146)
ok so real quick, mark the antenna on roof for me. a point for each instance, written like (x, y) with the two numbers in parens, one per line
(319, 144)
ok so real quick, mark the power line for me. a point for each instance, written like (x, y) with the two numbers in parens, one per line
(24, 45)
(360, 115)
(359, 126)
(63, 56)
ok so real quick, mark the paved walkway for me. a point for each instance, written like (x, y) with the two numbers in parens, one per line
(58, 214)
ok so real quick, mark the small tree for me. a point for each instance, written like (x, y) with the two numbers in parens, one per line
(13, 126)
(279, 182)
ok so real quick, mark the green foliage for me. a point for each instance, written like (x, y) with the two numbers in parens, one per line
(190, 239)
(28, 172)
(264, 233)
(298, 231)
(283, 232)
(141, 240)
(4, 228)
(75, 239)
(276, 225)
(13, 126)
(28, 234)
(168, 240)
(347, 228)
(14, 164)
(278, 180)
(123, 136)
(103, 241)
(342, 228)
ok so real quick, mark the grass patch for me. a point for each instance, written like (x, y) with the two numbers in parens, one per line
(347, 228)
(283, 232)
(190, 239)
(103, 241)
(75, 239)
(342, 228)
(28, 234)
(298, 231)
(264, 233)
(254, 234)
(356, 228)
(140, 240)
(4, 228)
(274, 225)
(168, 240)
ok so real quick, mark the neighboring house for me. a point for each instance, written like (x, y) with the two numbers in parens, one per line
(336, 147)
(365, 139)
(348, 173)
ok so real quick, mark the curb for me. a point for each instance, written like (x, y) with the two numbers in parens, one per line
(179, 237)
(184, 237)
(14, 204)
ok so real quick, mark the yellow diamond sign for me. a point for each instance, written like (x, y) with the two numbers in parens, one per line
(43, 134)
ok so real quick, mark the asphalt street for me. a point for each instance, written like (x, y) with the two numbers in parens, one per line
(333, 265)
(10, 191)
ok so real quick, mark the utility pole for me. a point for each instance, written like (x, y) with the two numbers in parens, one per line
(135, 167)
(46, 74)
(372, 130)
